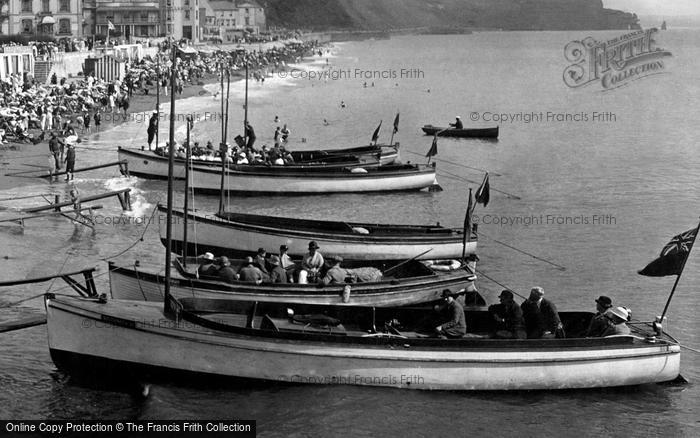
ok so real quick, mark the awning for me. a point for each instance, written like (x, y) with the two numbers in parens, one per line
(48, 20)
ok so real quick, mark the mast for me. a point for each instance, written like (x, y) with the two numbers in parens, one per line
(171, 156)
(223, 149)
(157, 97)
(245, 106)
(188, 158)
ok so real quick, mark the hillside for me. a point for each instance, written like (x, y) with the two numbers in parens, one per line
(402, 14)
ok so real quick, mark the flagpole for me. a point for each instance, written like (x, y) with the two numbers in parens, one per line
(673, 290)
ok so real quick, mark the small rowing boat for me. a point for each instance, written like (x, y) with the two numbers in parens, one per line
(463, 133)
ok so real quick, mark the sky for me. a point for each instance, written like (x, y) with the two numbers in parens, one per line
(669, 8)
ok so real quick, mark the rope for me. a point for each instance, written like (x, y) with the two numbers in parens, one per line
(457, 164)
(560, 267)
(460, 178)
(104, 259)
(691, 349)
(500, 284)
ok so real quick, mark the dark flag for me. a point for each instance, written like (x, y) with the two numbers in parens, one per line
(672, 257)
(396, 123)
(467, 232)
(433, 148)
(375, 136)
(483, 194)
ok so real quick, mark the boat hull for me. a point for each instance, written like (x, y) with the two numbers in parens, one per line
(222, 237)
(463, 133)
(147, 164)
(274, 181)
(147, 285)
(140, 338)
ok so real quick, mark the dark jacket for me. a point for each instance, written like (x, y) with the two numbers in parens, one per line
(278, 275)
(456, 326)
(599, 324)
(538, 320)
(511, 313)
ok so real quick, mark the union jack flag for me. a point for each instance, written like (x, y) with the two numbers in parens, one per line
(680, 243)
(672, 257)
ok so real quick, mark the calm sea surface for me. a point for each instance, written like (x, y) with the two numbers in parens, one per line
(599, 198)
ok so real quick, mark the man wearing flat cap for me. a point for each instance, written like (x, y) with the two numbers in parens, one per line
(508, 317)
(456, 326)
(541, 316)
(599, 323)
(457, 124)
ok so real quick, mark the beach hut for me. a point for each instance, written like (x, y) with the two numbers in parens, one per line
(107, 68)
(16, 61)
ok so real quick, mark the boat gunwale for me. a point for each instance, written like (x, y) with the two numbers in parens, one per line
(322, 235)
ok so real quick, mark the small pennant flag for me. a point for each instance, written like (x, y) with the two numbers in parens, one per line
(375, 136)
(672, 257)
(396, 123)
(483, 194)
(110, 26)
(433, 148)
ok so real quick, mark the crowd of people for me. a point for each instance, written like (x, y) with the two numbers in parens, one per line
(278, 268)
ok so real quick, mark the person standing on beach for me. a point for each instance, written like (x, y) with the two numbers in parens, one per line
(52, 168)
(97, 119)
(285, 133)
(55, 150)
(70, 162)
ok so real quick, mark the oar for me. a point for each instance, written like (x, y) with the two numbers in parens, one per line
(406, 261)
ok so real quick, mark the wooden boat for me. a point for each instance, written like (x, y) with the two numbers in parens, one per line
(338, 345)
(313, 180)
(238, 234)
(149, 164)
(409, 283)
(464, 133)
(302, 343)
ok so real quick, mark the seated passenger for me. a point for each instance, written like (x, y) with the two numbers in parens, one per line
(250, 273)
(508, 317)
(278, 274)
(335, 274)
(226, 272)
(311, 264)
(260, 261)
(456, 325)
(618, 319)
(207, 268)
(541, 317)
(600, 322)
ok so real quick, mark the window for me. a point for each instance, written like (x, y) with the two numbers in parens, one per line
(247, 21)
(64, 6)
(64, 26)
(26, 6)
(27, 26)
(247, 11)
(187, 3)
(45, 6)
(144, 17)
(187, 14)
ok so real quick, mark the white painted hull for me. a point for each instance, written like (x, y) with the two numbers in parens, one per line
(209, 181)
(215, 235)
(130, 333)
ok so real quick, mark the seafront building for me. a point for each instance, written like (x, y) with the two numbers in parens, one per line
(195, 20)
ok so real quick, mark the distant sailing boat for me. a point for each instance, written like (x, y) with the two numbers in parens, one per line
(663, 25)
